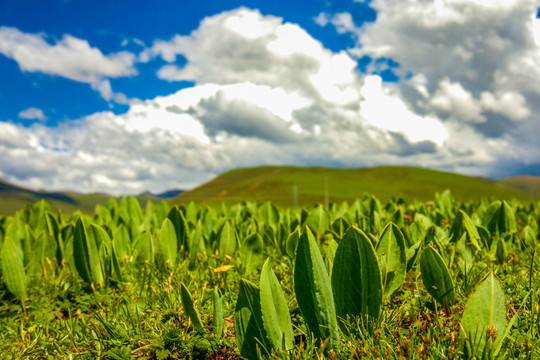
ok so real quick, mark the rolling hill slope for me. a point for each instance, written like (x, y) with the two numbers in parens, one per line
(529, 185)
(13, 198)
(278, 183)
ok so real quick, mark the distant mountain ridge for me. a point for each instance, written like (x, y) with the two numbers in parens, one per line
(290, 185)
(14, 197)
(169, 194)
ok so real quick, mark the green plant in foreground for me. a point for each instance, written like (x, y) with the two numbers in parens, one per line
(484, 319)
(313, 290)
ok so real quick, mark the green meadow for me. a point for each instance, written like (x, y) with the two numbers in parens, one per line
(278, 183)
(374, 278)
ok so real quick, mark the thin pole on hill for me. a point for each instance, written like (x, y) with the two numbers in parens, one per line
(326, 201)
(295, 195)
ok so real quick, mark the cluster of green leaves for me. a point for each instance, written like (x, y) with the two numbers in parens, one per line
(438, 279)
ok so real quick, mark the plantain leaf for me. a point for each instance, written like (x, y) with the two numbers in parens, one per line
(168, 244)
(356, 278)
(318, 221)
(463, 224)
(275, 312)
(227, 240)
(292, 242)
(436, 277)
(218, 313)
(100, 254)
(189, 308)
(11, 258)
(251, 252)
(506, 219)
(391, 252)
(249, 330)
(484, 318)
(313, 289)
(122, 243)
(268, 214)
(81, 255)
(180, 228)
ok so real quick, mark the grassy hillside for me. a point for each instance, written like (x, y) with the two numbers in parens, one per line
(277, 184)
(529, 185)
(13, 198)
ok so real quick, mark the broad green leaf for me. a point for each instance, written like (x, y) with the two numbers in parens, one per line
(251, 252)
(484, 318)
(249, 330)
(275, 312)
(81, 252)
(463, 224)
(189, 308)
(502, 251)
(122, 243)
(143, 248)
(491, 216)
(218, 313)
(45, 248)
(313, 289)
(54, 229)
(180, 228)
(268, 214)
(227, 240)
(11, 258)
(436, 277)
(340, 226)
(168, 242)
(100, 265)
(356, 278)
(318, 221)
(528, 236)
(292, 242)
(134, 209)
(192, 212)
(507, 219)
(391, 252)
(196, 245)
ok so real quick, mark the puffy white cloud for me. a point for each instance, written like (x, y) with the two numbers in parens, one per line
(478, 45)
(243, 45)
(387, 110)
(456, 101)
(275, 95)
(473, 64)
(70, 57)
(32, 113)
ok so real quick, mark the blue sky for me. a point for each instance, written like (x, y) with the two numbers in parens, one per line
(124, 97)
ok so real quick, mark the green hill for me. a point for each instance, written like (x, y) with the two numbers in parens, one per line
(278, 184)
(529, 185)
(13, 198)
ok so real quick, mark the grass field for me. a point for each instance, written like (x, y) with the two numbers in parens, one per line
(368, 280)
(277, 184)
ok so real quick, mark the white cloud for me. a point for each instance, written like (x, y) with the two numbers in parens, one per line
(275, 54)
(472, 64)
(385, 110)
(70, 57)
(456, 101)
(277, 96)
(32, 113)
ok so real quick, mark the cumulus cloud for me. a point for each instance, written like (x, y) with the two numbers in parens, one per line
(32, 113)
(469, 51)
(69, 57)
(275, 95)
(473, 64)
(241, 45)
